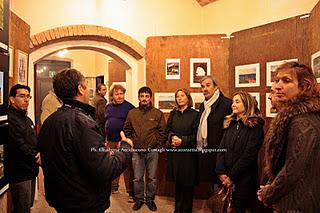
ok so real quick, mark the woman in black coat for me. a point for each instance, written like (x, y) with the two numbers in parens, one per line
(237, 165)
(181, 135)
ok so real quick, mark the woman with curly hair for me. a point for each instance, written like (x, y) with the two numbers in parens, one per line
(292, 154)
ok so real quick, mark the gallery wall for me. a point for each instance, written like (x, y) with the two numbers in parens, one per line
(158, 49)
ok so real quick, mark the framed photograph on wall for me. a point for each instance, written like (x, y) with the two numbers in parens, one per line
(271, 68)
(271, 112)
(22, 68)
(199, 67)
(247, 75)
(256, 95)
(173, 68)
(315, 64)
(165, 101)
(197, 98)
(11, 56)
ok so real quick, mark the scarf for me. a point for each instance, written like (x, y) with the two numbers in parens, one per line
(202, 133)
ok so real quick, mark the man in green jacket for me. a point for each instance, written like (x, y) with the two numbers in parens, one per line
(145, 126)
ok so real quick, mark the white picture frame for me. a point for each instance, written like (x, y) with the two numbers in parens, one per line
(247, 75)
(256, 95)
(165, 101)
(271, 67)
(22, 68)
(199, 67)
(315, 65)
(271, 112)
(197, 98)
(11, 61)
(173, 68)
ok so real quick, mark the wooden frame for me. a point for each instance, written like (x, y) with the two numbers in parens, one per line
(173, 68)
(271, 112)
(199, 67)
(315, 64)
(271, 68)
(22, 67)
(11, 61)
(247, 75)
(165, 101)
(1, 86)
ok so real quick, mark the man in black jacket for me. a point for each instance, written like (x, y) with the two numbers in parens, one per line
(21, 157)
(210, 131)
(78, 169)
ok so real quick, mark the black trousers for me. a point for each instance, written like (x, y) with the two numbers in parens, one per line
(183, 198)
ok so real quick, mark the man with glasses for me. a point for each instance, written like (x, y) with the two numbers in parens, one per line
(21, 157)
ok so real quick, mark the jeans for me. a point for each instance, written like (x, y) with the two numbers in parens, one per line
(23, 195)
(145, 162)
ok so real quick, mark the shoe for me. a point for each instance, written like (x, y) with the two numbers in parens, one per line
(152, 206)
(137, 205)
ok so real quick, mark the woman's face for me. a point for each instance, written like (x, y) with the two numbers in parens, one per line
(286, 86)
(237, 106)
(182, 99)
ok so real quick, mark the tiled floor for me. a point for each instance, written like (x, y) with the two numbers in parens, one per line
(120, 204)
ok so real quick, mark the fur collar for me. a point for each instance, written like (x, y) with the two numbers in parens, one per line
(276, 138)
(251, 121)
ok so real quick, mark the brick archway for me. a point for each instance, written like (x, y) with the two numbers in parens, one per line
(90, 33)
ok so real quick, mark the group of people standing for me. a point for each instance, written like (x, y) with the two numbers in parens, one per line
(219, 144)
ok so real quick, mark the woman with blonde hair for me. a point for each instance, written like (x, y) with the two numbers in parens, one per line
(237, 165)
(182, 163)
(292, 143)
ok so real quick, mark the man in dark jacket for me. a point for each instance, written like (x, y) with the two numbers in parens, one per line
(145, 125)
(77, 168)
(21, 157)
(210, 131)
(99, 102)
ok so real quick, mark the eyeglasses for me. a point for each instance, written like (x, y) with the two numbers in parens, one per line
(23, 96)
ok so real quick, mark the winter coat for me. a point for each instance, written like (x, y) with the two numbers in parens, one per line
(182, 164)
(100, 103)
(207, 161)
(49, 105)
(239, 154)
(293, 157)
(77, 168)
(21, 148)
(145, 127)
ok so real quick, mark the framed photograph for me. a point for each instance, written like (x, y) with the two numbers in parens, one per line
(91, 93)
(197, 98)
(199, 67)
(271, 112)
(11, 56)
(247, 75)
(1, 87)
(173, 68)
(164, 101)
(22, 68)
(256, 96)
(315, 64)
(271, 68)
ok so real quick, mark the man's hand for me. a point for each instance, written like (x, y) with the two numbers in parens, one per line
(38, 158)
(124, 138)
